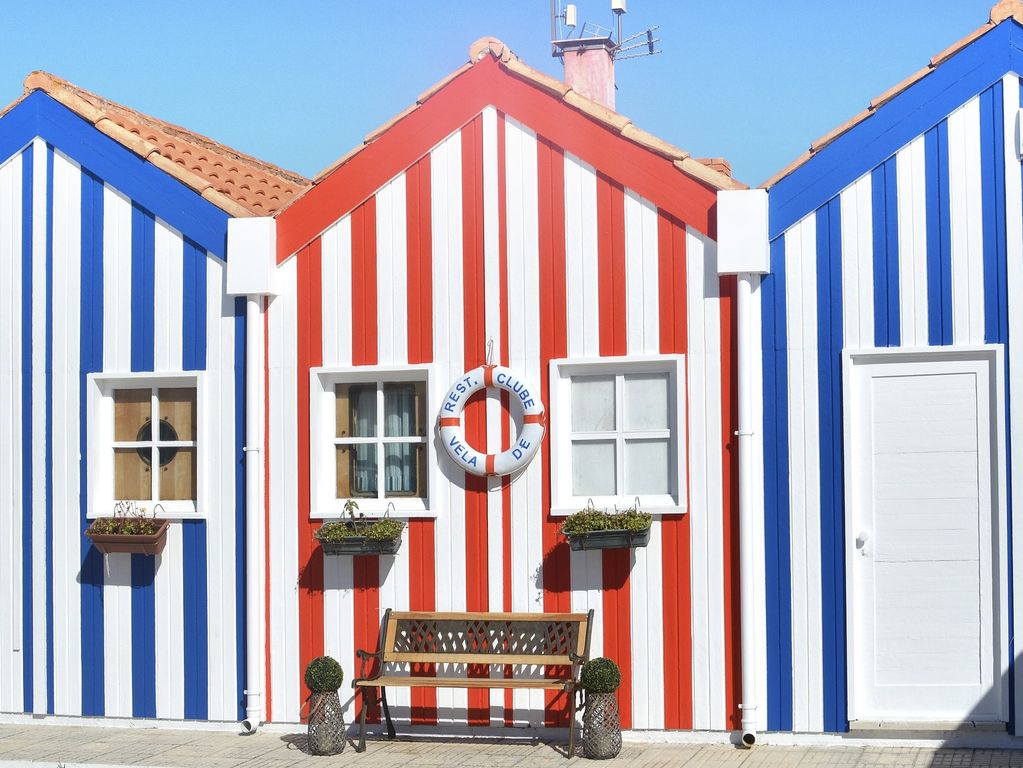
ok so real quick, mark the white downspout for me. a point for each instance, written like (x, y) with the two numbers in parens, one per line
(255, 535)
(747, 557)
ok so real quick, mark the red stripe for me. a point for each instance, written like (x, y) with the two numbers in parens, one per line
(729, 477)
(310, 556)
(617, 599)
(450, 421)
(557, 595)
(651, 175)
(611, 266)
(675, 537)
(477, 584)
(266, 502)
(366, 570)
(502, 228)
(533, 418)
(490, 463)
(421, 545)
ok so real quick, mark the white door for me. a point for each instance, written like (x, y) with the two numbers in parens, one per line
(924, 536)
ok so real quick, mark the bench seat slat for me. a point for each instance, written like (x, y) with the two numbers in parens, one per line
(483, 658)
(463, 682)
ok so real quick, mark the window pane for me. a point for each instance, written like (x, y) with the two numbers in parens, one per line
(404, 469)
(646, 466)
(131, 475)
(356, 471)
(177, 411)
(646, 401)
(133, 408)
(356, 411)
(593, 468)
(178, 476)
(404, 411)
(593, 403)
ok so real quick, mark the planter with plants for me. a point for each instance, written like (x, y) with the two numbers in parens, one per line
(129, 531)
(359, 536)
(326, 728)
(591, 528)
(602, 728)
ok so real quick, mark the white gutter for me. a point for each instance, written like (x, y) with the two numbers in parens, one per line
(743, 251)
(747, 557)
(251, 269)
(255, 535)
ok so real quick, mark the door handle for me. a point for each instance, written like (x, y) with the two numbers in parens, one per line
(861, 542)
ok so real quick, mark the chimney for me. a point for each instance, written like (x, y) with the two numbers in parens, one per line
(590, 67)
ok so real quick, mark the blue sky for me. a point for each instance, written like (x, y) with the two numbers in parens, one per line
(300, 83)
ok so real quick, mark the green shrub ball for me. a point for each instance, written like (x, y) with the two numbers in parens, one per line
(324, 675)
(600, 675)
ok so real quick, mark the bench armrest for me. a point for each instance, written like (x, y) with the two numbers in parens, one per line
(365, 657)
(576, 658)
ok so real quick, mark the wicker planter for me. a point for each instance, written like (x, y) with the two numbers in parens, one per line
(361, 545)
(131, 544)
(602, 729)
(609, 539)
(326, 731)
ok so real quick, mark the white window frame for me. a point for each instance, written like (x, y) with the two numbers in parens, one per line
(322, 441)
(100, 441)
(563, 502)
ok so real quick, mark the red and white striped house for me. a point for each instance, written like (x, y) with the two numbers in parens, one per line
(506, 212)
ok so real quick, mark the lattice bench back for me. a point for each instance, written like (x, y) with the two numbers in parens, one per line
(485, 638)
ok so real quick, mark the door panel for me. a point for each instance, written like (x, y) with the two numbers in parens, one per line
(922, 529)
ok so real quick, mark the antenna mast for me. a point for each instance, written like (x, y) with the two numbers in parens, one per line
(632, 46)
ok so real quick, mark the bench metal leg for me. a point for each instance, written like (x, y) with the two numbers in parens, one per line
(387, 712)
(571, 726)
(362, 720)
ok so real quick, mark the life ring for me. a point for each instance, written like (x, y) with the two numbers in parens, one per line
(449, 422)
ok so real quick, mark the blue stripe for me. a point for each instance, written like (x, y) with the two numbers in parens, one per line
(195, 595)
(884, 217)
(48, 482)
(893, 125)
(829, 375)
(193, 532)
(939, 236)
(777, 558)
(181, 207)
(992, 169)
(143, 636)
(143, 229)
(27, 653)
(239, 495)
(91, 345)
(193, 330)
(143, 607)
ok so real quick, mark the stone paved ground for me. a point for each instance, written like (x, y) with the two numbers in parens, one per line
(65, 745)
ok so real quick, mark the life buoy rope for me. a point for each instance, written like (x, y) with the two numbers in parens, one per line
(449, 422)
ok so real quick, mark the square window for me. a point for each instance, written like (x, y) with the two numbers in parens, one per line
(377, 450)
(144, 442)
(618, 433)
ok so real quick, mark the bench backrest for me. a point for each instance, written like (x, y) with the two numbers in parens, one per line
(485, 638)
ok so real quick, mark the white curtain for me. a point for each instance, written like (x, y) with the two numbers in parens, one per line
(400, 421)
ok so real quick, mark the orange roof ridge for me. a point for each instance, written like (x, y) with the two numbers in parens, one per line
(237, 183)
(711, 173)
(1004, 9)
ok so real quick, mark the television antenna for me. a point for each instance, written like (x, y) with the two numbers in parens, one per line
(565, 23)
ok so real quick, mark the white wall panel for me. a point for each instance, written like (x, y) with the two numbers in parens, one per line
(911, 192)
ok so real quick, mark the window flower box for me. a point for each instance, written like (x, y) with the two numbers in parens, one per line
(358, 536)
(591, 528)
(129, 532)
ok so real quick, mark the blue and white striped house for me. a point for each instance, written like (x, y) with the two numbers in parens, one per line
(113, 232)
(886, 369)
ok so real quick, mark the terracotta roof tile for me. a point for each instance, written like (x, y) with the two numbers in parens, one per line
(713, 172)
(235, 182)
(1004, 9)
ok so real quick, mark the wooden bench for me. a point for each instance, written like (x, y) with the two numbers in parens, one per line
(551, 640)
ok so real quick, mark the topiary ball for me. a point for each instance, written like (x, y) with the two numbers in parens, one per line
(600, 675)
(324, 675)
